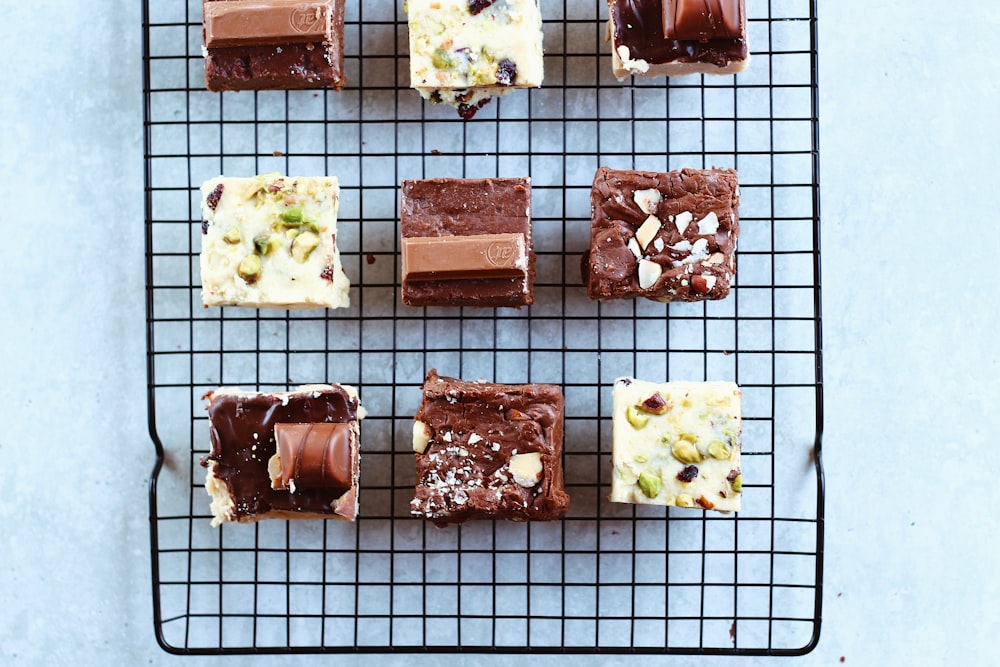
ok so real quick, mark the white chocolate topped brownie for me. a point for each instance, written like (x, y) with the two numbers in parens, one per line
(676, 443)
(270, 241)
(464, 52)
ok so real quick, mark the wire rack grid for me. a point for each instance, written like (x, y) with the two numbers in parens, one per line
(609, 578)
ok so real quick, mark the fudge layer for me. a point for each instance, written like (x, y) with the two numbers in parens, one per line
(676, 37)
(488, 451)
(245, 429)
(467, 242)
(271, 242)
(666, 236)
(676, 443)
(273, 44)
(464, 52)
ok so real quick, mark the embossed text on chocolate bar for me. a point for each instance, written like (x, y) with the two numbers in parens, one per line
(478, 256)
(258, 22)
(702, 19)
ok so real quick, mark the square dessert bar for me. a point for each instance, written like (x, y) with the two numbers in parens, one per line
(271, 242)
(676, 443)
(286, 455)
(676, 37)
(467, 242)
(488, 451)
(273, 44)
(665, 236)
(464, 52)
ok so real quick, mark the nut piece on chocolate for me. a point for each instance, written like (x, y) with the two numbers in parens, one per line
(677, 37)
(465, 52)
(677, 443)
(273, 44)
(467, 242)
(488, 451)
(316, 471)
(271, 242)
(665, 236)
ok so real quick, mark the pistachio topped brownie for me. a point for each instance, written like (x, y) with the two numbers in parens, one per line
(465, 52)
(676, 443)
(666, 236)
(270, 241)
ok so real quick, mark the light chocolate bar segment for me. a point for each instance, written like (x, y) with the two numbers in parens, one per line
(312, 456)
(702, 20)
(465, 257)
(254, 22)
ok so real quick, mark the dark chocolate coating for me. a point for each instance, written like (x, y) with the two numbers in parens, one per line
(462, 207)
(452, 488)
(638, 24)
(609, 268)
(290, 66)
(241, 458)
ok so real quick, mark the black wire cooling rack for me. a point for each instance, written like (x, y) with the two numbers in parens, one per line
(609, 578)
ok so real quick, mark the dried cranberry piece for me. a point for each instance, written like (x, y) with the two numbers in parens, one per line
(213, 199)
(688, 474)
(327, 273)
(506, 72)
(655, 404)
(733, 474)
(476, 6)
(204, 226)
(467, 111)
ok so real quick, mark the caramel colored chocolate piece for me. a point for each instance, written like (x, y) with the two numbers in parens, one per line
(250, 22)
(702, 20)
(313, 456)
(465, 257)
(464, 208)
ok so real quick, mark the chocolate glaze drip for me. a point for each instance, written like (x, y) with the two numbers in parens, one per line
(242, 433)
(639, 26)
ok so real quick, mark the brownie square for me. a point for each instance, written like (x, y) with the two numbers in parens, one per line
(275, 58)
(677, 443)
(242, 426)
(457, 207)
(664, 236)
(488, 451)
(677, 37)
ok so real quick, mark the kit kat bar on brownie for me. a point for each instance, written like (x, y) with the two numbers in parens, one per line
(467, 242)
(273, 44)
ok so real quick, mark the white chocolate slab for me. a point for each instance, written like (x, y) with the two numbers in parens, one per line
(455, 56)
(700, 426)
(252, 208)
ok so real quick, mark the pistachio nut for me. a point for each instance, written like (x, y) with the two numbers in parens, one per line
(292, 215)
(738, 484)
(249, 269)
(650, 484)
(635, 418)
(232, 236)
(303, 245)
(686, 452)
(718, 450)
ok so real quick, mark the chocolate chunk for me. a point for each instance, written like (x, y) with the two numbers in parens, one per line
(702, 20)
(479, 256)
(464, 208)
(313, 456)
(488, 451)
(253, 54)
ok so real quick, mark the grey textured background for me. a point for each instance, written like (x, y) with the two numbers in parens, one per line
(908, 132)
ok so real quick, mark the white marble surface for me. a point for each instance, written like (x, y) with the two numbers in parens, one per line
(910, 324)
